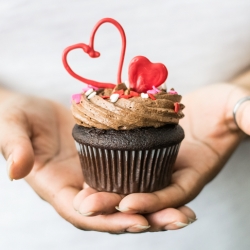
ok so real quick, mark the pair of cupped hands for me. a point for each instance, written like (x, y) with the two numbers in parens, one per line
(36, 141)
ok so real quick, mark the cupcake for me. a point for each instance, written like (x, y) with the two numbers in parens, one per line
(127, 135)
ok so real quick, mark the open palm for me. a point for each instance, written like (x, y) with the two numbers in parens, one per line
(35, 136)
(211, 137)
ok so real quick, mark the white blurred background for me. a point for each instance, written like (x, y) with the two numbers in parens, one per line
(200, 42)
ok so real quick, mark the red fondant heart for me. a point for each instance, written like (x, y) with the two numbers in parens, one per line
(143, 74)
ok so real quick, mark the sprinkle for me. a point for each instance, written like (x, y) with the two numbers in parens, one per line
(85, 89)
(105, 97)
(172, 92)
(151, 97)
(152, 91)
(93, 87)
(119, 92)
(114, 97)
(126, 96)
(143, 95)
(157, 90)
(89, 87)
(91, 95)
(89, 91)
(176, 107)
(133, 93)
(76, 98)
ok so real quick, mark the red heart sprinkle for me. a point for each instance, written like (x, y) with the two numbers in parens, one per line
(133, 93)
(126, 96)
(176, 107)
(151, 96)
(120, 92)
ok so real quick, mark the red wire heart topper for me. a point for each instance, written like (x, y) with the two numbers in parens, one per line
(89, 49)
(143, 75)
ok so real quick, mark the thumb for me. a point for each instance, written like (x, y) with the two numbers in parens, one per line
(242, 115)
(16, 147)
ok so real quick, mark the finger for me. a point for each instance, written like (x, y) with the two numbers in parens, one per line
(16, 146)
(81, 196)
(114, 223)
(189, 213)
(243, 117)
(95, 203)
(186, 184)
(170, 219)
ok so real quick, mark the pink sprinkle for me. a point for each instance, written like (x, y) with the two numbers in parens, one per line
(172, 92)
(85, 89)
(89, 87)
(76, 98)
(152, 91)
(157, 90)
(93, 87)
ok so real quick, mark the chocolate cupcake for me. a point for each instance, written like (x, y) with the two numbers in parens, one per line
(127, 135)
(138, 160)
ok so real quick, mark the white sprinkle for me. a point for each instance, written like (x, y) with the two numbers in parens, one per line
(91, 95)
(143, 95)
(88, 92)
(114, 97)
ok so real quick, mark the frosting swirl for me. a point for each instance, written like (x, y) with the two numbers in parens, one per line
(126, 114)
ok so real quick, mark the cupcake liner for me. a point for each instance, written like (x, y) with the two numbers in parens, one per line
(127, 171)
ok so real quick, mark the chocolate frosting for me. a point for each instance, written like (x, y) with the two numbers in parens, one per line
(127, 114)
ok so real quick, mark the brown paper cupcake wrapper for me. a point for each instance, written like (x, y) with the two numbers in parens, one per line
(126, 172)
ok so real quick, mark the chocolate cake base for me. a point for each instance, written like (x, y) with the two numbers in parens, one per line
(128, 161)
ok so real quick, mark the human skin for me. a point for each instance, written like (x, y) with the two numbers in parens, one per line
(36, 141)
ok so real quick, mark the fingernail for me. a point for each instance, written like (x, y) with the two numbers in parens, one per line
(180, 224)
(190, 220)
(9, 164)
(77, 211)
(175, 225)
(86, 214)
(137, 228)
(125, 209)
